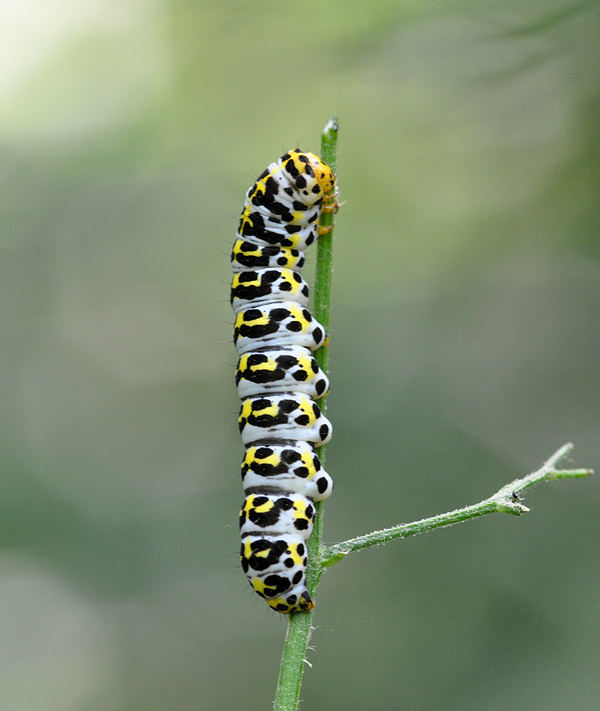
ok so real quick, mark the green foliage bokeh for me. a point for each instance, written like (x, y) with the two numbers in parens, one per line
(465, 348)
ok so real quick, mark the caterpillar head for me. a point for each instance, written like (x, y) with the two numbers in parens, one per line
(323, 173)
(310, 175)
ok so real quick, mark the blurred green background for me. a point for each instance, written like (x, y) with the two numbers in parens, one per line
(465, 348)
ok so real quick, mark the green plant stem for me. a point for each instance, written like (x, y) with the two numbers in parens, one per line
(321, 310)
(289, 682)
(293, 654)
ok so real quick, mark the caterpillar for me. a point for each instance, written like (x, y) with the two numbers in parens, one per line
(277, 377)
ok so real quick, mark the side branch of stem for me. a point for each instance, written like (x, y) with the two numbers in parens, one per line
(506, 500)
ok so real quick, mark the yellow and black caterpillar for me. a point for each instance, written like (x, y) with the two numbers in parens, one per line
(277, 376)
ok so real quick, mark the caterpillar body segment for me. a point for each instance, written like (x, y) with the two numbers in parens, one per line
(276, 569)
(251, 255)
(274, 324)
(284, 369)
(260, 286)
(277, 377)
(277, 515)
(292, 467)
(285, 416)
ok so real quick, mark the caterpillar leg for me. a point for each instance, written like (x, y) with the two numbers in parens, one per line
(330, 203)
(324, 229)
